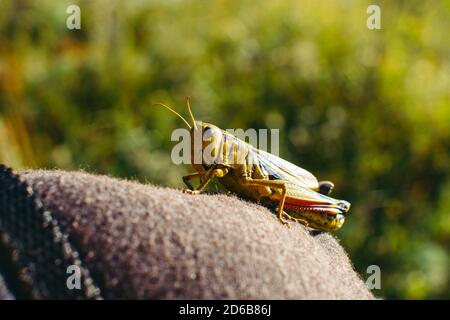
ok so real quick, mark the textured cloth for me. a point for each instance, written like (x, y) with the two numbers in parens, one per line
(4, 292)
(35, 252)
(142, 241)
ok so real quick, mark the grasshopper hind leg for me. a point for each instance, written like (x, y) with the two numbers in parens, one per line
(288, 216)
(279, 185)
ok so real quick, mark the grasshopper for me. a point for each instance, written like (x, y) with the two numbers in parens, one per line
(261, 176)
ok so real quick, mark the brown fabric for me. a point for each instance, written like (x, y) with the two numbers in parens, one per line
(141, 241)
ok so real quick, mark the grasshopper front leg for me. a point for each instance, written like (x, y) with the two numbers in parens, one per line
(187, 179)
(205, 178)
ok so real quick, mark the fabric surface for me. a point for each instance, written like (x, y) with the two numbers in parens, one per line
(34, 250)
(143, 242)
(4, 291)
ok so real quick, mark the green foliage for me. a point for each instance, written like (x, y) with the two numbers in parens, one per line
(367, 109)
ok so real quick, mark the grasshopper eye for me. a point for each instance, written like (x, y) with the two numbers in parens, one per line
(208, 133)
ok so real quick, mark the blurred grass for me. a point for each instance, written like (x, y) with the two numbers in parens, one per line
(369, 110)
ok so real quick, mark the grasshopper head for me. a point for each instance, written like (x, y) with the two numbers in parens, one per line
(206, 145)
(206, 140)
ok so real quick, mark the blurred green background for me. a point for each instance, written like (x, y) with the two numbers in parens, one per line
(367, 109)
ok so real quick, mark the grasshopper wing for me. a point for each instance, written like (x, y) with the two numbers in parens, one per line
(281, 169)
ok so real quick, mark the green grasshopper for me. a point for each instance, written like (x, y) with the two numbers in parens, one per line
(258, 175)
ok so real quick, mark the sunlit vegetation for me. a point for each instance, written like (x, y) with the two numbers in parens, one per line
(367, 109)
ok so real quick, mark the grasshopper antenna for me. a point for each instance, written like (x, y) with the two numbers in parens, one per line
(176, 113)
(190, 112)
